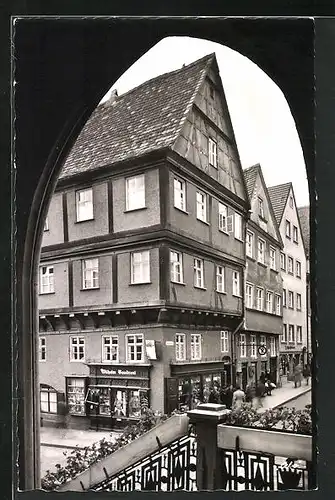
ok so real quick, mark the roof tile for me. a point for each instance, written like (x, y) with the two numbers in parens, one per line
(278, 196)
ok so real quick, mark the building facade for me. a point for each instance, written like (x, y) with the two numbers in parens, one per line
(258, 348)
(141, 286)
(293, 344)
(305, 228)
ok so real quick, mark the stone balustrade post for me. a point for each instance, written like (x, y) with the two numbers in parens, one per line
(205, 418)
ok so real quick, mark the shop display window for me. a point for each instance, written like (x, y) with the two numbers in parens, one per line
(134, 405)
(76, 396)
(105, 401)
(120, 404)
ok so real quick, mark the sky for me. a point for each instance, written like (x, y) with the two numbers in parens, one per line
(264, 128)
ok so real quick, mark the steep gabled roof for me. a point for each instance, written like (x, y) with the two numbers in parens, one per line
(278, 196)
(305, 228)
(147, 118)
(250, 176)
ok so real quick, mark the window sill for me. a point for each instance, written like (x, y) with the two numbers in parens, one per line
(134, 362)
(263, 219)
(221, 293)
(203, 221)
(178, 283)
(46, 293)
(214, 166)
(134, 209)
(237, 296)
(287, 237)
(250, 257)
(262, 264)
(91, 288)
(199, 287)
(84, 220)
(181, 210)
(296, 242)
(141, 283)
(239, 239)
(195, 359)
(290, 273)
(77, 361)
(274, 270)
(299, 277)
(223, 231)
(283, 270)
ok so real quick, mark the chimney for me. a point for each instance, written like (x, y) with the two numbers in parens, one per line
(112, 98)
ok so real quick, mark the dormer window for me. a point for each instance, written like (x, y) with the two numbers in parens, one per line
(291, 201)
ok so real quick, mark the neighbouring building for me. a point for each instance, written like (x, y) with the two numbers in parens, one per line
(142, 270)
(305, 228)
(263, 286)
(293, 344)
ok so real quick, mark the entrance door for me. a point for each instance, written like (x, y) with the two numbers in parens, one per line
(244, 375)
(171, 394)
(273, 370)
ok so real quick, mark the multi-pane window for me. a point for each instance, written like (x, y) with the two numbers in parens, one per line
(295, 234)
(272, 253)
(249, 244)
(273, 351)
(222, 217)
(291, 333)
(260, 207)
(243, 348)
(238, 230)
(134, 347)
(269, 302)
(290, 265)
(46, 224)
(299, 334)
(288, 229)
(84, 204)
(298, 269)
(195, 346)
(110, 348)
(290, 300)
(180, 345)
(48, 401)
(176, 259)
(262, 342)
(199, 273)
(282, 261)
(236, 284)
(224, 341)
(298, 301)
(284, 334)
(253, 346)
(249, 295)
(260, 299)
(212, 152)
(135, 192)
(179, 190)
(90, 269)
(261, 251)
(77, 348)
(47, 279)
(140, 267)
(278, 305)
(201, 206)
(76, 396)
(42, 349)
(284, 298)
(220, 279)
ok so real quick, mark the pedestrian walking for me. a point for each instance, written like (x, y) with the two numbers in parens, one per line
(297, 375)
(306, 373)
(229, 396)
(238, 398)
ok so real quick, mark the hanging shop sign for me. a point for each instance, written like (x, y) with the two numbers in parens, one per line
(262, 350)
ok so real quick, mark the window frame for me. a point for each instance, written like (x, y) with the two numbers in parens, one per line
(144, 264)
(182, 194)
(135, 344)
(224, 340)
(223, 215)
(111, 345)
(283, 260)
(284, 298)
(260, 207)
(273, 350)
(238, 235)
(203, 216)
(222, 276)
(259, 289)
(299, 337)
(251, 296)
(197, 269)
(297, 264)
(174, 265)
(193, 346)
(288, 229)
(80, 205)
(236, 283)
(295, 236)
(290, 259)
(298, 301)
(73, 359)
(278, 305)
(284, 336)
(259, 260)
(42, 348)
(290, 294)
(92, 270)
(249, 244)
(48, 391)
(212, 152)
(290, 330)
(83, 393)
(142, 203)
(253, 346)
(263, 343)
(243, 346)
(180, 345)
(269, 294)
(272, 258)
(51, 282)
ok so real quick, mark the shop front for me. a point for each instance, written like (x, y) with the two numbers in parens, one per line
(116, 394)
(191, 384)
